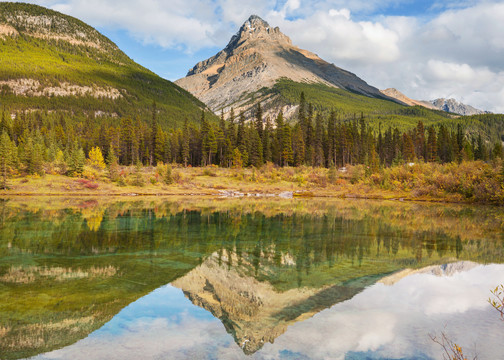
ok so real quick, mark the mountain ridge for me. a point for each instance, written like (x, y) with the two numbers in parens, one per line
(448, 105)
(256, 57)
(54, 62)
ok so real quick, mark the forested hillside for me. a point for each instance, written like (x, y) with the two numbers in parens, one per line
(55, 63)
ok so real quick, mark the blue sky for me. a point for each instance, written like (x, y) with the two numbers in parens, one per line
(426, 49)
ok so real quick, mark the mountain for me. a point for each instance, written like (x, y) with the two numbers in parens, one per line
(453, 106)
(447, 105)
(396, 94)
(255, 59)
(253, 311)
(54, 62)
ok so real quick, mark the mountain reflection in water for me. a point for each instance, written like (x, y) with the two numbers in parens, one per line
(388, 320)
(284, 278)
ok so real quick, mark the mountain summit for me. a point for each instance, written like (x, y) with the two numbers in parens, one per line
(257, 57)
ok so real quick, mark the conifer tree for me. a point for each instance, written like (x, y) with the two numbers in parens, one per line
(96, 158)
(287, 154)
(7, 154)
(259, 120)
(318, 149)
(154, 133)
(185, 143)
(277, 142)
(256, 149)
(113, 166)
(431, 145)
(76, 160)
(331, 140)
(408, 148)
(161, 140)
(266, 141)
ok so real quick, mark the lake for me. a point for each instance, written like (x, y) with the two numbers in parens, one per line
(207, 278)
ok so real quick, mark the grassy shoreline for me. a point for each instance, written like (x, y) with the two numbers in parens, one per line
(468, 182)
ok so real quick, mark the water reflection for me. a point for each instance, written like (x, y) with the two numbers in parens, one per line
(251, 270)
(382, 322)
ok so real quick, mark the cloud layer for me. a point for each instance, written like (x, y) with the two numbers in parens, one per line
(447, 49)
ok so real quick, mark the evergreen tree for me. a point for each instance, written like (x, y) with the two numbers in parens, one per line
(113, 166)
(76, 160)
(408, 148)
(331, 143)
(185, 143)
(154, 133)
(277, 146)
(431, 145)
(318, 149)
(419, 140)
(7, 154)
(256, 149)
(160, 144)
(266, 141)
(259, 120)
(287, 153)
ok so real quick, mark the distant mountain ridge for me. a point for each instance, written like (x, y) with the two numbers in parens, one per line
(448, 105)
(256, 58)
(453, 106)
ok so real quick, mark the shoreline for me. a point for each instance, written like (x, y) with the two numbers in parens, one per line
(466, 183)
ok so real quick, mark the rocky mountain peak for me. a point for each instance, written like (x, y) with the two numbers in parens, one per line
(453, 106)
(256, 29)
(256, 57)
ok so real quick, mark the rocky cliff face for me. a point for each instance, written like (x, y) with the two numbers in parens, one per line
(256, 57)
(453, 106)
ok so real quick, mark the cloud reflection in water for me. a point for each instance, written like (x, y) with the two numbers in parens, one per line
(383, 321)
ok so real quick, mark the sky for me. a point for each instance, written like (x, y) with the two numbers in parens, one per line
(395, 325)
(426, 49)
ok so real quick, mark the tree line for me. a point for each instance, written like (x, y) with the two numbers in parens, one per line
(31, 140)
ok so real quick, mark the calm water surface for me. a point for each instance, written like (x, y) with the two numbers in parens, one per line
(230, 279)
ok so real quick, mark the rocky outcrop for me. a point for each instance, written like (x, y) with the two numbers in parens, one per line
(257, 57)
(453, 106)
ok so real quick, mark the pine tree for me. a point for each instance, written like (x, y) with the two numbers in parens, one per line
(259, 120)
(266, 141)
(33, 159)
(76, 160)
(287, 153)
(408, 147)
(185, 144)
(160, 142)
(154, 133)
(331, 140)
(256, 149)
(277, 143)
(237, 159)
(431, 145)
(113, 166)
(318, 149)
(7, 153)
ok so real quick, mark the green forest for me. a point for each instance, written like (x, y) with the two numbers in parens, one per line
(33, 142)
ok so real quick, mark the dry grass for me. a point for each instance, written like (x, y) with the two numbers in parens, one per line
(466, 182)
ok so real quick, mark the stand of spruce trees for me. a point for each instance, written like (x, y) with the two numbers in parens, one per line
(32, 139)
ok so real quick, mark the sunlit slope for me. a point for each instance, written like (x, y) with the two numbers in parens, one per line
(54, 62)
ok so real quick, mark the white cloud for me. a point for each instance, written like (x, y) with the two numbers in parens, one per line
(457, 53)
(333, 35)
